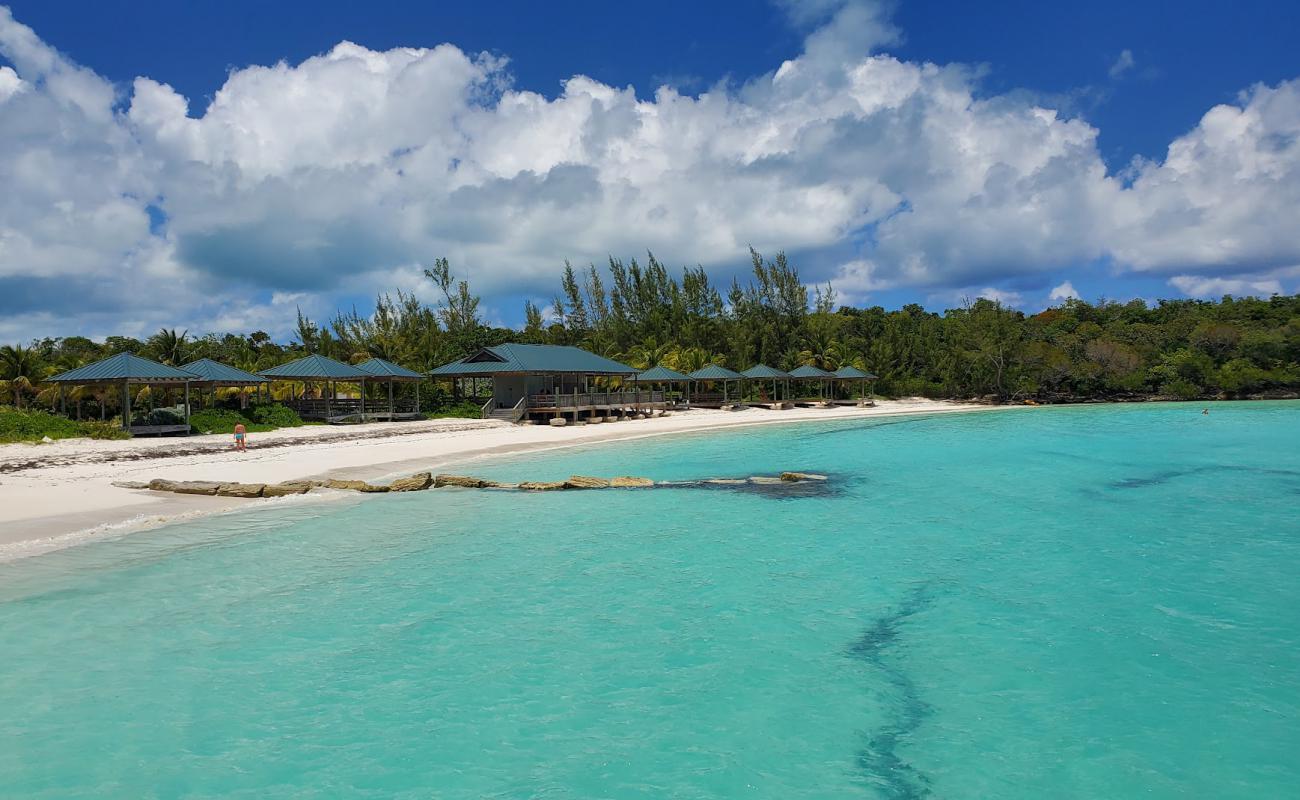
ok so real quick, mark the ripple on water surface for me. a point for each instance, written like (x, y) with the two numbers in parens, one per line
(1077, 602)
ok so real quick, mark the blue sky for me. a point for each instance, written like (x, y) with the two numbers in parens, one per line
(899, 151)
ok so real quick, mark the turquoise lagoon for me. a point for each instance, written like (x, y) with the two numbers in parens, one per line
(1062, 602)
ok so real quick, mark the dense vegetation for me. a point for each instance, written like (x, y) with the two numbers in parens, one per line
(33, 425)
(644, 315)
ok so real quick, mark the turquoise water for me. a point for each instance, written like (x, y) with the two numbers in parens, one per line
(1076, 602)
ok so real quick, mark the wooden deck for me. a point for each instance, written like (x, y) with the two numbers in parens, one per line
(602, 404)
(342, 411)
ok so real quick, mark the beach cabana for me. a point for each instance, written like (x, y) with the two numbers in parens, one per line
(714, 373)
(851, 373)
(382, 371)
(810, 373)
(666, 376)
(762, 372)
(125, 370)
(541, 381)
(214, 375)
(328, 373)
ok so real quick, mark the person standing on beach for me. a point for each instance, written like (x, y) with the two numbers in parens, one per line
(241, 433)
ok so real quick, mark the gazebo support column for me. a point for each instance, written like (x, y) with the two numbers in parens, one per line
(126, 405)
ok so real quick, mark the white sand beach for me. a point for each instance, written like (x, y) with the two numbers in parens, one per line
(61, 493)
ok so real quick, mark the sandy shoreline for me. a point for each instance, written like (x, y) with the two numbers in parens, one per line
(58, 494)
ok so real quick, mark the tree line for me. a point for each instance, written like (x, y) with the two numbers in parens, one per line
(642, 313)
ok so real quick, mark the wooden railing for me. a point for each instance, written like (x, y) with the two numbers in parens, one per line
(588, 399)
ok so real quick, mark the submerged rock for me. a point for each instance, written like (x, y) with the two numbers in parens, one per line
(412, 483)
(725, 481)
(765, 480)
(241, 489)
(286, 488)
(585, 482)
(629, 482)
(459, 480)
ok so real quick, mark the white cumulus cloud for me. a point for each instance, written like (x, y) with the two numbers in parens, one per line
(342, 174)
(1064, 291)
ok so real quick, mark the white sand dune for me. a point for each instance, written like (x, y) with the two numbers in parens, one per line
(57, 494)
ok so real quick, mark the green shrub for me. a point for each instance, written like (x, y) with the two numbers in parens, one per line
(103, 430)
(462, 411)
(33, 426)
(275, 415)
(222, 420)
(161, 416)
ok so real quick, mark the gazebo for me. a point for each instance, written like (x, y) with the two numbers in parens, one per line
(712, 373)
(125, 369)
(851, 373)
(382, 371)
(542, 382)
(317, 368)
(762, 372)
(215, 375)
(662, 374)
(811, 373)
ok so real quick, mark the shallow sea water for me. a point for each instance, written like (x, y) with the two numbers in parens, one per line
(1058, 602)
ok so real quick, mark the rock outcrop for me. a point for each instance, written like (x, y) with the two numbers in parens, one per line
(795, 477)
(558, 422)
(355, 486)
(541, 486)
(241, 489)
(193, 487)
(286, 488)
(424, 480)
(585, 482)
(629, 482)
(412, 483)
(464, 481)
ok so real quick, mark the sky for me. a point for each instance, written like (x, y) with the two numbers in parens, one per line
(213, 167)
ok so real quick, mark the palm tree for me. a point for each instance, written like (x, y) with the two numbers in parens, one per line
(171, 347)
(21, 370)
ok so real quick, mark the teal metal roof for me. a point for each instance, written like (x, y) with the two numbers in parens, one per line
(713, 372)
(124, 367)
(807, 372)
(661, 373)
(540, 358)
(315, 367)
(210, 371)
(854, 373)
(387, 369)
(763, 371)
